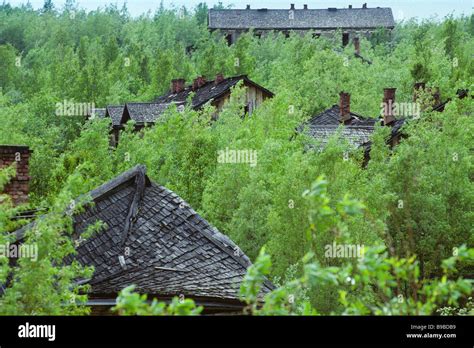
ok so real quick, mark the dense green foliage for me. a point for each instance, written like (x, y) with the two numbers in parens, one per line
(416, 199)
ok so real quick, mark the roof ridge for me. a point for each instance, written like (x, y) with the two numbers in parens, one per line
(100, 191)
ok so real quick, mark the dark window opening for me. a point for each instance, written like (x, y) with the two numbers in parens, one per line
(345, 39)
(287, 34)
(228, 38)
(246, 109)
(316, 35)
(258, 35)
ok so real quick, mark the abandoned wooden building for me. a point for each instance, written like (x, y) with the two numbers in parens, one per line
(153, 239)
(321, 22)
(216, 92)
(356, 129)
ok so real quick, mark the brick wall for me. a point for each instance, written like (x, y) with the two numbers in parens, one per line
(18, 187)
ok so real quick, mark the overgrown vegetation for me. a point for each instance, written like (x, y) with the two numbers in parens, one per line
(411, 206)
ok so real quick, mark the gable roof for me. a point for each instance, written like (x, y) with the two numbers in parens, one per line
(332, 116)
(207, 92)
(360, 18)
(143, 113)
(115, 112)
(154, 240)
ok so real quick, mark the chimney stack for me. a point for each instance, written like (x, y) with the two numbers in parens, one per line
(364, 5)
(344, 107)
(292, 6)
(248, 7)
(356, 45)
(388, 102)
(177, 85)
(198, 82)
(18, 187)
(219, 78)
(305, 7)
(350, 6)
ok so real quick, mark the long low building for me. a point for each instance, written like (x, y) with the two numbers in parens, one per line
(352, 21)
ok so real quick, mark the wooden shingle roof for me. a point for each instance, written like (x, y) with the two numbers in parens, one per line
(357, 131)
(115, 113)
(207, 92)
(143, 113)
(346, 18)
(153, 239)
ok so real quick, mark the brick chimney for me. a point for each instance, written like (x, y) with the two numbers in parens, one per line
(356, 45)
(344, 107)
(350, 6)
(388, 102)
(198, 82)
(177, 85)
(248, 7)
(305, 7)
(219, 78)
(18, 187)
(292, 6)
(417, 88)
(364, 5)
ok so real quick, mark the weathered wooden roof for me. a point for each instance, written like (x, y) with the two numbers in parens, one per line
(115, 113)
(207, 92)
(143, 113)
(332, 116)
(346, 18)
(356, 135)
(356, 131)
(153, 239)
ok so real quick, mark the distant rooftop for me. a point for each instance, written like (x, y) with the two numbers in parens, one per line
(330, 18)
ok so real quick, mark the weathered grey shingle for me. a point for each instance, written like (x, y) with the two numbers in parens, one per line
(356, 131)
(356, 136)
(115, 113)
(355, 18)
(153, 239)
(143, 112)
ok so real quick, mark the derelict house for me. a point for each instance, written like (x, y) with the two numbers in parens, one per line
(354, 128)
(357, 129)
(216, 92)
(351, 21)
(154, 240)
